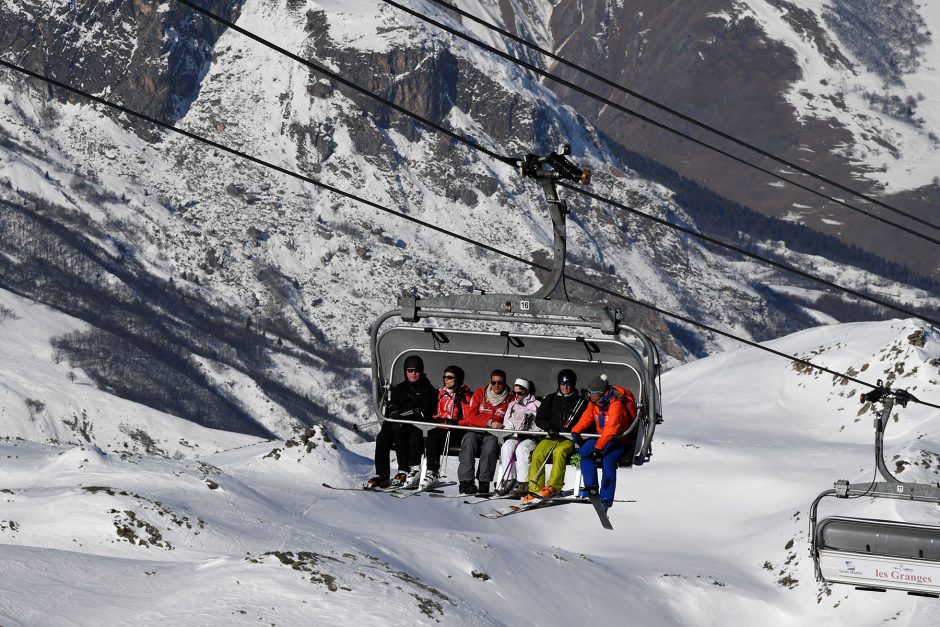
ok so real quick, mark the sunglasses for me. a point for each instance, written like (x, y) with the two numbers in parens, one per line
(519, 392)
(497, 382)
(412, 371)
(449, 377)
(568, 383)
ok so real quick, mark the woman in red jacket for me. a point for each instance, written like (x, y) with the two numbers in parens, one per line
(453, 401)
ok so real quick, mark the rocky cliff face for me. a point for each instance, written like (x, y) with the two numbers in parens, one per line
(149, 56)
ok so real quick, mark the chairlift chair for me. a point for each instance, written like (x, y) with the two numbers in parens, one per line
(872, 554)
(608, 346)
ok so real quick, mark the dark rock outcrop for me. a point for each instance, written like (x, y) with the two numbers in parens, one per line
(147, 56)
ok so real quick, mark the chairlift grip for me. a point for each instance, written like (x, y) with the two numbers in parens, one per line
(408, 308)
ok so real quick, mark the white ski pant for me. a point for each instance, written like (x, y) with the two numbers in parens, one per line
(522, 451)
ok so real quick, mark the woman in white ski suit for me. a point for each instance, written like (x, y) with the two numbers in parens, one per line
(517, 450)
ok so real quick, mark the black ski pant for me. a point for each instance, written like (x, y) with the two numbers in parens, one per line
(407, 442)
(434, 445)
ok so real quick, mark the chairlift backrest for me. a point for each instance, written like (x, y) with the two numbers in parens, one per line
(879, 537)
(538, 358)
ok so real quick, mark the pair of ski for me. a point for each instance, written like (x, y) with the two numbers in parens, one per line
(398, 491)
(565, 496)
(562, 497)
(537, 502)
(473, 499)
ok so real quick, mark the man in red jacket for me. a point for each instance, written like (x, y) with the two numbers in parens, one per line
(487, 408)
(612, 412)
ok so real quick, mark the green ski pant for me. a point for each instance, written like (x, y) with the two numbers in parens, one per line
(561, 454)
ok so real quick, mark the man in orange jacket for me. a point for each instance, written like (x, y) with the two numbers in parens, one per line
(612, 412)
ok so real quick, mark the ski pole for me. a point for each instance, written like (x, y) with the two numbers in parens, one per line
(446, 452)
(510, 466)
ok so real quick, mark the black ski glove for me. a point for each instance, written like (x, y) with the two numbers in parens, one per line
(552, 433)
(596, 456)
(578, 439)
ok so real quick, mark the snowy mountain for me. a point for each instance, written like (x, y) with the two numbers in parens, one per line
(207, 282)
(844, 89)
(713, 530)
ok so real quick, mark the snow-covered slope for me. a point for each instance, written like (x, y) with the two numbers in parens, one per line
(714, 531)
(146, 279)
(44, 400)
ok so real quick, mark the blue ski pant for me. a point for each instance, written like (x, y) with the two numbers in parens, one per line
(612, 454)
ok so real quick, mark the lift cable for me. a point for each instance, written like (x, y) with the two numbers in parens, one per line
(243, 155)
(513, 161)
(746, 253)
(561, 81)
(682, 116)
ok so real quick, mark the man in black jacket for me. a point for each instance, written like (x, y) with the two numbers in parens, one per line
(558, 411)
(412, 399)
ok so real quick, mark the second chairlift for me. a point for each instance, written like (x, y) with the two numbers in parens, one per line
(874, 554)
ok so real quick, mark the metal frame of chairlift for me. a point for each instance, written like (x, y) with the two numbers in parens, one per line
(534, 309)
(878, 555)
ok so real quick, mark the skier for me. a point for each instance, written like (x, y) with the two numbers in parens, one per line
(453, 401)
(612, 411)
(557, 412)
(487, 408)
(517, 449)
(412, 399)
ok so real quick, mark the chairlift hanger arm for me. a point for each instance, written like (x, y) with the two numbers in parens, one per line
(535, 308)
(549, 169)
(888, 397)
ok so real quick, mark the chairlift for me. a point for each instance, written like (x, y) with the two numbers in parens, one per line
(626, 355)
(872, 554)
